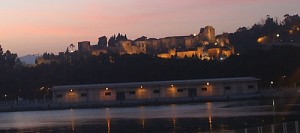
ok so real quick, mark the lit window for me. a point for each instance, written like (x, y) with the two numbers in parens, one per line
(107, 93)
(250, 86)
(59, 96)
(179, 90)
(83, 94)
(227, 88)
(156, 91)
(131, 92)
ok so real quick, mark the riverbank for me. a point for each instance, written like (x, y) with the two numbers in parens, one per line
(9, 106)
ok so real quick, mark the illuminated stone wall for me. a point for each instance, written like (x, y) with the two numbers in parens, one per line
(208, 34)
(180, 46)
(222, 39)
(97, 52)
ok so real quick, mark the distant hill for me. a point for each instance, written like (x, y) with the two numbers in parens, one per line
(28, 59)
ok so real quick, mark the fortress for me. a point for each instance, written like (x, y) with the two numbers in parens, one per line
(205, 45)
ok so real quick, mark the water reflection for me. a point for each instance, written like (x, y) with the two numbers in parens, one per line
(274, 111)
(107, 114)
(73, 120)
(174, 115)
(142, 117)
(209, 109)
(202, 117)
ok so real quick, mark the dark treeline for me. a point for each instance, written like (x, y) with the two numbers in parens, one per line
(245, 39)
(280, 64)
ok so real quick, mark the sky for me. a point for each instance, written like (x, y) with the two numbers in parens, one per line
(39, 26)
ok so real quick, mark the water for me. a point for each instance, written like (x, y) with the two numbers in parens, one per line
(240, 116)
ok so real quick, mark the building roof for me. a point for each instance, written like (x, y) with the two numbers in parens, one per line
(142, 38)
(150, 39)
(177, 37)
(153, 83)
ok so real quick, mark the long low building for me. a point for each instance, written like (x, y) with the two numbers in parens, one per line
(154, 90)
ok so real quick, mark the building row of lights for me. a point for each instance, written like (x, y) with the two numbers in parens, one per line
(172, 85)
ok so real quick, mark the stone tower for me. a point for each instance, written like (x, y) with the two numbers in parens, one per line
(207, 34)
(84, 47)
(102, 41)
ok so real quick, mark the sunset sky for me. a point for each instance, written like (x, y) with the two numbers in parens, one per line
(38, 26)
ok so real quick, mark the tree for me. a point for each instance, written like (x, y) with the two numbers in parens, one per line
(112, 41)
(10, 59)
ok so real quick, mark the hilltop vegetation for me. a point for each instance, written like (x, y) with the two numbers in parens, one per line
(246, 40)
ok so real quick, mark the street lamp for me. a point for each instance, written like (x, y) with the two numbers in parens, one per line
(5, 97)
(45, 92)
(271, 83)
(277, 36)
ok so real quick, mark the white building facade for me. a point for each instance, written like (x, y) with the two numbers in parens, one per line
(156, 90)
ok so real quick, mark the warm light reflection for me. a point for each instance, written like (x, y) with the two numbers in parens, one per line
(174, 115)
(142, 117)
(73, 121)
(174, 123)
(108, 125)
(73, 126)
(108, 121)
(143, 123)
(210, 122)
(209, 109)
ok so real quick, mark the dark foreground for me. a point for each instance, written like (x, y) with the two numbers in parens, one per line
(277, 116)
